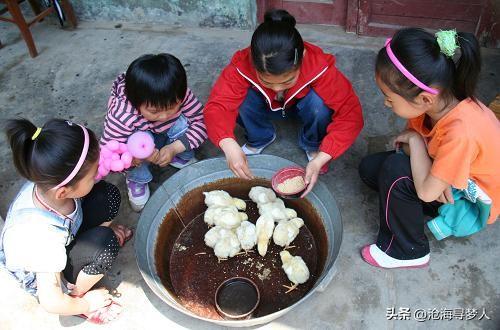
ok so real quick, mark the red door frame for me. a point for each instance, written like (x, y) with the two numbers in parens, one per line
(358, 16)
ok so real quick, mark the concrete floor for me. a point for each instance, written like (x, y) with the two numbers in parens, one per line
(71, 78)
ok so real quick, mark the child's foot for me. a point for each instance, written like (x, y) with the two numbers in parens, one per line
(178, 162)
(103, 315)
(122, 233)
(138, 195)
(378, 258)
(248, 150)
(310, 156)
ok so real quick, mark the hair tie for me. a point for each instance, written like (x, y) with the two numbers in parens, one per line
(37, 132)
(296, 58)
(447, 41)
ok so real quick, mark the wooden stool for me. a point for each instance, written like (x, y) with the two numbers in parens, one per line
(12, 6)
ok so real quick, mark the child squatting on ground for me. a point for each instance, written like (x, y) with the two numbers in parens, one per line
(448, 163)
(280, 76)
(58, 240)
(153, 96)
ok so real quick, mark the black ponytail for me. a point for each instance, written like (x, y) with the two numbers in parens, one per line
(421, 55)
(49, 158)
(277, 47)
(19, 133)
(468, 66)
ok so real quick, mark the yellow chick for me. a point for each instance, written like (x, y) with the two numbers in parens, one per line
(224, 216)
(286, 231)
(224, 242)
(230, 219)
(247, 235)
(214, 212)
(261, 195)
(277, 210)
(222, 198)
(213, 236)
(227, 246)
(295, 269)
(264, 227)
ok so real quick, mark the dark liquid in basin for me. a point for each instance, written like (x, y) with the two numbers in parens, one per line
(190, 271)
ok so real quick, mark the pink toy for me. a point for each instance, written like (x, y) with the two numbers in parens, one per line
(116, 156)
(113, 145)
(141, 145)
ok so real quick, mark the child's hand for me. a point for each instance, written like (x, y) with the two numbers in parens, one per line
(165, 155)
(401, 147)
(312, 170)
(96, 299)
(405, 137)
(136, 162)
(446, 196)
(154, 157)
(236, 159)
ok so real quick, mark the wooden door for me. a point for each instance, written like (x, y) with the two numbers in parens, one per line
(331, 12)
(383, 17)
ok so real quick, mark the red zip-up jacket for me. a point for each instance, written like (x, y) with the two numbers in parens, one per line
(317, 71)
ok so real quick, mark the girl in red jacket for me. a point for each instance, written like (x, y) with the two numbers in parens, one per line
(281, 76)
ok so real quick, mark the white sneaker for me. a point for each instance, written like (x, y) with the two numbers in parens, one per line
(248, 150)
(376, 257)
(138, 195)
(311, 154)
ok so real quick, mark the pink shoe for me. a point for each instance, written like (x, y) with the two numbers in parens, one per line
(377, 258)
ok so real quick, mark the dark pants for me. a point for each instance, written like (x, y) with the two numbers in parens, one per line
(255, 117)
(142, 173)
(95, 247)
(402, 213)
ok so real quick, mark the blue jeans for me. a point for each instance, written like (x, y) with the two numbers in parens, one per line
(141, 173)
(255, 117)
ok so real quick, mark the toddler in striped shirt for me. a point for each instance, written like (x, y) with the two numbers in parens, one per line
(153, 96)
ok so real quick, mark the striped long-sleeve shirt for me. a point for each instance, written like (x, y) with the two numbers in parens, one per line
(123, 119)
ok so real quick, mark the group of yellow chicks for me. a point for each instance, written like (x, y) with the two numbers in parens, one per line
(231, 231)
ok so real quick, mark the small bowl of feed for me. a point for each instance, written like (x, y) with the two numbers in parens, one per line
(237, 298)
(289, 182)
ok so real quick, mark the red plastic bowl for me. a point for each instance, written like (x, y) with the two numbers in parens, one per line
(284, 174)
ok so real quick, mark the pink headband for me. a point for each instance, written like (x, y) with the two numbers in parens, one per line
(83, 156)
(405, 72)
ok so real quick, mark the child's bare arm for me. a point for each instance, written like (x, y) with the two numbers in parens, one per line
(429, 188)
(53, 299)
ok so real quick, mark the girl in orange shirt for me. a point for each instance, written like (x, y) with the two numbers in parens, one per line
(451, 138)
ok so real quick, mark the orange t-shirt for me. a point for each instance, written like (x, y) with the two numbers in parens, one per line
(465, 144)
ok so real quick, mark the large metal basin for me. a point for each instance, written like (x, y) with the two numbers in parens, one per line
(206, 171)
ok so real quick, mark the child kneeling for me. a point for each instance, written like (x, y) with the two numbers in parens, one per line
(153, 96)
(452, 147)
(58, 240)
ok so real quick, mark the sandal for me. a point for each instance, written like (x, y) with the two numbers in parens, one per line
(127, 234)
(101, 316)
